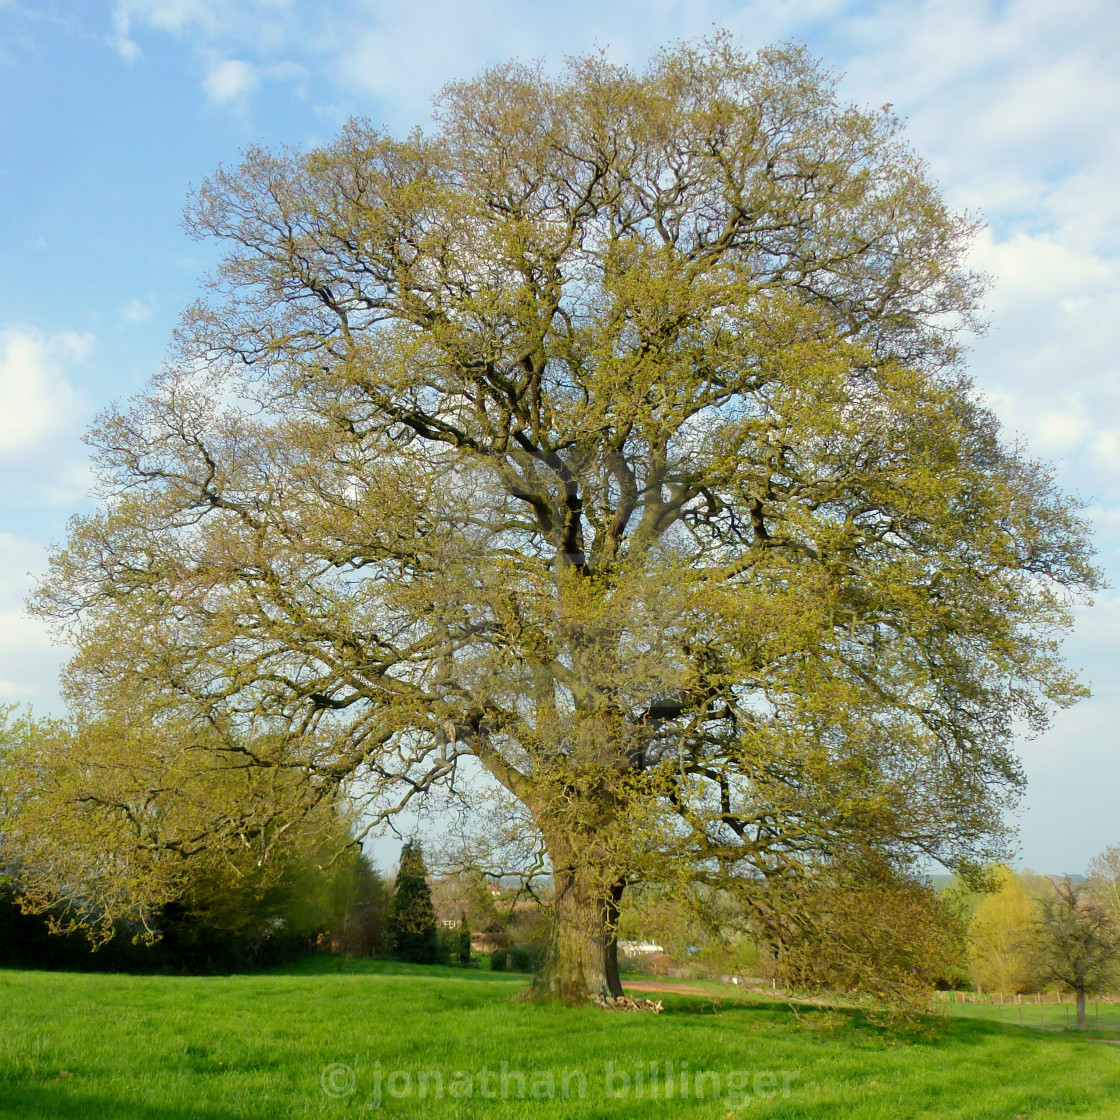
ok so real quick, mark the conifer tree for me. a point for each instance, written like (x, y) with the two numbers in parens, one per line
(412, 918)
(464, 941)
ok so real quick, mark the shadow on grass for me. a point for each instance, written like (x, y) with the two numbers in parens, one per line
(843, 1025)
(50, 1102)
(327, 964)
(745, 1010)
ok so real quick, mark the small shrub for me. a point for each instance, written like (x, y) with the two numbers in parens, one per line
(517, 958)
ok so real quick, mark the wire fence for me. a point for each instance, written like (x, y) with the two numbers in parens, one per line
(1040, 1010)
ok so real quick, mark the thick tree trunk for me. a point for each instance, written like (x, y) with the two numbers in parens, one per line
(1081, 1009)
(583, 962)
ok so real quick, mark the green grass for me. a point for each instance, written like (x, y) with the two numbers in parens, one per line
(169, 1048)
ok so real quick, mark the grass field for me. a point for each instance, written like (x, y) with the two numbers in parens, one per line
(314, 1041)
(1101, 1017)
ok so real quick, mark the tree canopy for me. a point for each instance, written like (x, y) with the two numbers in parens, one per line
(610, 437)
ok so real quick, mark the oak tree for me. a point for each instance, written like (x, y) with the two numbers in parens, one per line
(610, 439)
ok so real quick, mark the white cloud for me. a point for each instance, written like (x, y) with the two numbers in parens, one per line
(262, 24)
(404, 53)
(229, 80)
(1041, 268)
(121, 36)
(1051, 364)
(1071, 768)
(1061, 432)
(43, 472)
(36, 397)
(165, 15)
(29, 661)
(1106, 449)
(218, 31)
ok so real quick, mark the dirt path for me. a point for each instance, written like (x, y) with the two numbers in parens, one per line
(731, 991)
(680, 989)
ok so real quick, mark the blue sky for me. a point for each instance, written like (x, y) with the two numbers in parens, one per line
(110, 111)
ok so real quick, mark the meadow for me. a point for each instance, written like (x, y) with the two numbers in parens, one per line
(334, 1038)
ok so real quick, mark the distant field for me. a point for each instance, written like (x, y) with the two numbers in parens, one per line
(316, 1042)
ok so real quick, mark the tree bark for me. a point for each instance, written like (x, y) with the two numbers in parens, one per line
(1080, 1009)
(583, 962)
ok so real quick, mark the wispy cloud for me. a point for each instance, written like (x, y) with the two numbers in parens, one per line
(138, 311)
(262, 24)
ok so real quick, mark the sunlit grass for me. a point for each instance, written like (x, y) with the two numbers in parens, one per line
(169, 1048)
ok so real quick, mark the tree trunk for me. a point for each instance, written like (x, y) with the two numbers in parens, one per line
(583, 962)
(1080, 1009)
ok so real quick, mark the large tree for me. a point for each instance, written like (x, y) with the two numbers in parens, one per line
(609, 439)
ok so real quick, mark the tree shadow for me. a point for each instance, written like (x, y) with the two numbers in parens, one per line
(327, 964)
(50, 1102)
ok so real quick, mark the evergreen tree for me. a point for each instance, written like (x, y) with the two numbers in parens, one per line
(464, 941)
(412, 918)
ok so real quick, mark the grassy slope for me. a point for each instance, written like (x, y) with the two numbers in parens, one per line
(165, 1048)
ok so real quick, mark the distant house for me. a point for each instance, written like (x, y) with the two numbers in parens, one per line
(457, 896)
(640, 948)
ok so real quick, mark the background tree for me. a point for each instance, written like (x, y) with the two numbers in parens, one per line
(1104, 880)
(90, 843)
(673, 920)
(100, 840)
(1076, 942)
(1000, 933)
(358, 907)
(412, 918)
(708, 933)
(464, 946)
(468, 894)
(610, 441)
